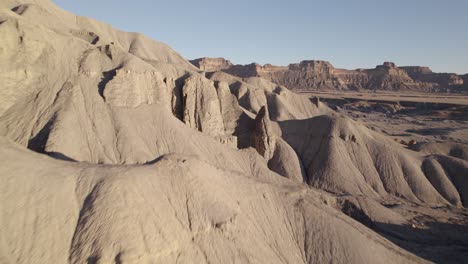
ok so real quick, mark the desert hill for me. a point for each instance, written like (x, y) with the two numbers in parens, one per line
(115, 149)
(321, 75)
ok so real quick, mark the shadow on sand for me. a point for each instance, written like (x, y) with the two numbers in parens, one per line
(435, 241)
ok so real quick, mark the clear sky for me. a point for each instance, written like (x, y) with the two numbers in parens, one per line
(348, 33)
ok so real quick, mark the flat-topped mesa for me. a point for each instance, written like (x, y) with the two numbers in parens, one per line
(389, 77)
(309, 74)
(391, 68)
(415, 71)
(270, 67)
(312, 65)
(211, 64)
(387, 64)
(425, 74)
(244, 71)
(254, 70)
(322, 75)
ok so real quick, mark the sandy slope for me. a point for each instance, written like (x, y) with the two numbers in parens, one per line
(178, 209)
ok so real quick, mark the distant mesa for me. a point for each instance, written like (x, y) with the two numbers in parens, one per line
(211, 64)
(425, 74)
(321, 75)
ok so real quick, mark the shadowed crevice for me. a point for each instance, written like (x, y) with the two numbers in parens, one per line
(106, 78)
(59, 156)
(37, 143)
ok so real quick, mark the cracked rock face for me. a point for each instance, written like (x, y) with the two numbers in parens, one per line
(131, 89)
(229, 107)
(263, 138)
(201, 109)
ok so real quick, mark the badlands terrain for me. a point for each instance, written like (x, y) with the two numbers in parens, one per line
(116, 149)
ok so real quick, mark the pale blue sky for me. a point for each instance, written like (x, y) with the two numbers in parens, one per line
(348, 33)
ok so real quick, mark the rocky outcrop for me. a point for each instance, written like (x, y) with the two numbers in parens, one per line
(229, 107)
(231, 113)
(201, 109)
(296, 76)
(321, 75)
(426, 75)
(263, 138)
(353, 79)
(255, 70)
(131, 89)
(306, 74)
(211, 64)
(281, 157)
(389, 77)
(211, 110)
